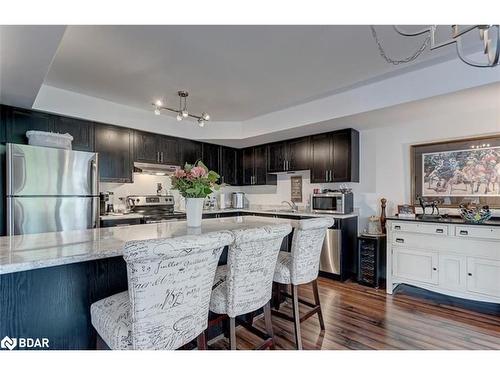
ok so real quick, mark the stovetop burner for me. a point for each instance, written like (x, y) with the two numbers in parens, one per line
(155, 208)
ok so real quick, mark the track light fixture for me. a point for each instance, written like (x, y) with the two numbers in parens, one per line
(181, 112)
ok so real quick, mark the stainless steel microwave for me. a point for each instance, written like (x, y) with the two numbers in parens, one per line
(332, 203)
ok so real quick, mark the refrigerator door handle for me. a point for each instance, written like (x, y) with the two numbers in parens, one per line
(95, 212)
(10, 218)
(93, 177)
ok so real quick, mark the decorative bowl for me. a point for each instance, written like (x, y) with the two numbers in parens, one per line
(475, 215)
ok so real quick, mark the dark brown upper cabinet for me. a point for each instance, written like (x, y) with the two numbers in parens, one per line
(335, 157)
(298, 154)
(254, 167)
(146, 147)
(211, 157)
(276, 157)
(290, 155)
(115, 147)
(19, 121)
(81, 130)
(155, 148)
(190, 151)
(230, 165)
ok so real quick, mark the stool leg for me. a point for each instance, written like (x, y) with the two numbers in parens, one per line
(201, 341)
(232, 333)
(269, 323)
(296, 316)
(316, 300)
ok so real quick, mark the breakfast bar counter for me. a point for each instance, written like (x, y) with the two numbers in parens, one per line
(34, 251)
(48, 281)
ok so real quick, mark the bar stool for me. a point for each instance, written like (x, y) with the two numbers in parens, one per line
(245, 283)
(301, 266)
(169, 287)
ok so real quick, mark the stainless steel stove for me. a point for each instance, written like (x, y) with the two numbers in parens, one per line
(155, 208)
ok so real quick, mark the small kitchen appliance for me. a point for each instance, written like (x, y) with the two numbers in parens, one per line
(238, 199)
(333, 202)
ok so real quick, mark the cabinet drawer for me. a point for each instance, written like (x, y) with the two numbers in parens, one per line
(437, 229)
(475, 231)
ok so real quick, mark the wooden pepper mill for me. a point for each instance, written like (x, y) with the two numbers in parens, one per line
(383, 203)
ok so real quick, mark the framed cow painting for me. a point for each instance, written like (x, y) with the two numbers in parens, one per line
(456, 172)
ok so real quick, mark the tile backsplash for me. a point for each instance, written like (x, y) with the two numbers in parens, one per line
(143, 185)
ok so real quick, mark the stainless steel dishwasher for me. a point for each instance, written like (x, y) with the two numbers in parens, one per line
(330, 254)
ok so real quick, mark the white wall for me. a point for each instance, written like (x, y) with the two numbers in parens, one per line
(385, 151)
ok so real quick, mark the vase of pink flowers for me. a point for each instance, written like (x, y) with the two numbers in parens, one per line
(195, 182)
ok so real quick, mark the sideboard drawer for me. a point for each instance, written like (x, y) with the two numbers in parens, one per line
(476, 231)
(438, 229)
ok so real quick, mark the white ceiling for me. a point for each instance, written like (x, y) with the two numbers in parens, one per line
(475, 102)
(233, 72)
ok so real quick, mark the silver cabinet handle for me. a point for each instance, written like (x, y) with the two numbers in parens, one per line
(397, 227)
(158, 156)
(331, 175)
(326, 176)
(400, 240)
(161, 157)
(464, 232)
(439, 230)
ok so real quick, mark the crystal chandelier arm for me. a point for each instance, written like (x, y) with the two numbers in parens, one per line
(492, 59)
(415, 33)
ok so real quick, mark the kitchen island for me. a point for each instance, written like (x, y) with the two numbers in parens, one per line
(48, 281)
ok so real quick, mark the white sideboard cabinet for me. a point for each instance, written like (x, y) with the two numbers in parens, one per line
(449, 257)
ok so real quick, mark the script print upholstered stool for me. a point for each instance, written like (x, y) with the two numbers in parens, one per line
(245, 283)
(301, 266)
(169, 287)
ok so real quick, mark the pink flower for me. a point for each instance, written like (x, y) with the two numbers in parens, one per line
(179, 173)
(198, 172)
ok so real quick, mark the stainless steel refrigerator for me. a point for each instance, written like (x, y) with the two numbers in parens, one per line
(50, 190)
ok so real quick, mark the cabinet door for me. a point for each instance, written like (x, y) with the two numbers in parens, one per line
(20, 121)
(276, 153)
(320, 157)
(211, 156)
(229, 166)
(483, 276)
(260, 166)
(415, 265)
(341, 157)
(190, 151)
(114, 145)
(452, 272)
(81, 130)
(248, 166)
(146, 147)
(298, 154)
(170, 149)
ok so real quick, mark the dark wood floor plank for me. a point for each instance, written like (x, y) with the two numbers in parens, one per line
(359, 317)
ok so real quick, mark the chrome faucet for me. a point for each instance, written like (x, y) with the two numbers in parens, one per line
(292, 205)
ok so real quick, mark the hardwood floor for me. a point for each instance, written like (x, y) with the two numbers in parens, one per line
(358, 317)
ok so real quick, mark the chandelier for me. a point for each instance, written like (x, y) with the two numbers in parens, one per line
(182, 111)
(489, 35)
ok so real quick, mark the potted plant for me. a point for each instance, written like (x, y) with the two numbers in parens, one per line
(195, 182)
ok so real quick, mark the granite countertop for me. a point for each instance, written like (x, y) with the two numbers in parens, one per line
(263, 210)
(33, 251)
(446, 220)
(277, 211)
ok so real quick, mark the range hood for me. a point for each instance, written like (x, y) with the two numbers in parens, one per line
(155, 169)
